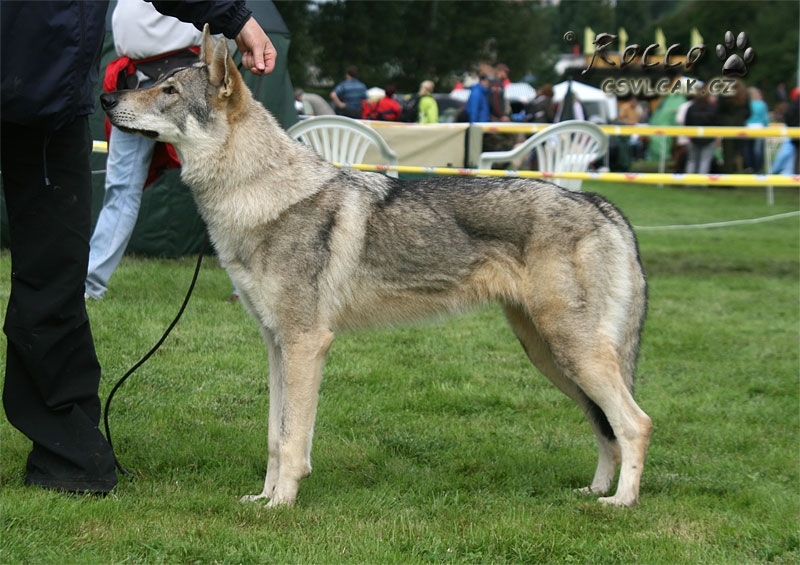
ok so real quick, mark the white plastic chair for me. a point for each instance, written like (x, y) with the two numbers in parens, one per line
(566, 147)
(342, 140)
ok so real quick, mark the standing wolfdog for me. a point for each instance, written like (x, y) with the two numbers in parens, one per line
(314, 249)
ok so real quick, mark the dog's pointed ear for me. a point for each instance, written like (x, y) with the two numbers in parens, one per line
(222, 70)
(206, 46)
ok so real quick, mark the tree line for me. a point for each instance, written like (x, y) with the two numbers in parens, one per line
(406, 42)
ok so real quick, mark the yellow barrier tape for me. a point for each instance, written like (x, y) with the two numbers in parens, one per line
(647, 130)
(671, 131)
(644, 178)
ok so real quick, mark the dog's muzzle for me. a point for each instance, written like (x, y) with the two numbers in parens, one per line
(108, 101)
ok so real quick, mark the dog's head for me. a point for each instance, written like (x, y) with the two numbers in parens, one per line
(185, 106)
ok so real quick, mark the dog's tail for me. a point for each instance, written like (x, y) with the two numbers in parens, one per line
(632, 335)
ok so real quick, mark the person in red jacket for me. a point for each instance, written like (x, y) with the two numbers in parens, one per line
(387, 109)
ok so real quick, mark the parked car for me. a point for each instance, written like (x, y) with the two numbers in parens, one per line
(449, 107)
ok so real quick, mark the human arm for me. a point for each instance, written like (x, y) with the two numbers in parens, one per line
(232, 19)
(337, 102)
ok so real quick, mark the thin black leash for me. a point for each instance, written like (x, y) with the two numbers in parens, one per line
(258, 85)
(150, 353)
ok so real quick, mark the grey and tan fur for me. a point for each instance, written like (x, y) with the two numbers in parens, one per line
(315, 249)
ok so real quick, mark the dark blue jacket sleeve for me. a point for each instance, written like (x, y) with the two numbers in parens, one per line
(224, 16)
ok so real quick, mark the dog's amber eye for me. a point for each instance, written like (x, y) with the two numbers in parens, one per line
(169, 90)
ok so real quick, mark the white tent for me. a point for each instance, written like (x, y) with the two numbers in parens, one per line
(462, 94)
(596, 102)
(521, 91)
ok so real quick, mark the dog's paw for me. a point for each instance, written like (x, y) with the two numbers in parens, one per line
(590, 490)
(272, 501)
(276, 502)
(249, 498)
(617, 501)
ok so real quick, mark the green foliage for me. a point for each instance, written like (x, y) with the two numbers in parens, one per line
(771, 27)
(437, 442)
(406, 42)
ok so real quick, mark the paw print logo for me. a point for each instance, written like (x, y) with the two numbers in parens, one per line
(735, 65)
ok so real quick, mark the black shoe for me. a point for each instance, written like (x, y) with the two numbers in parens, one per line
(85, 486)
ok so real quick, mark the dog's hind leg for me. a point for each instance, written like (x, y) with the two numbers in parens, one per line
(599, 376)
(302, 360)
(539, 354)
(586, 368)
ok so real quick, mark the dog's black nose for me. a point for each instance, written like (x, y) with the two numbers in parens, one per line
(108, 101)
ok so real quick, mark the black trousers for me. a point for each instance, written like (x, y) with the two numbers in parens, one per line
(52, 372)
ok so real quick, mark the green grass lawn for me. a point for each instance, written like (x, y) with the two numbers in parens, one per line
(438, 442)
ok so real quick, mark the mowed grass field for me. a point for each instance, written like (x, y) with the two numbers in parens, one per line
(438, 442)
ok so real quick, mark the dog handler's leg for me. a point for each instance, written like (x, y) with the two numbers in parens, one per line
(275, 408)
(303, 360)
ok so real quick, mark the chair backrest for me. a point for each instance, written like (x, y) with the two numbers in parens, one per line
(343, 140)
(566, 147)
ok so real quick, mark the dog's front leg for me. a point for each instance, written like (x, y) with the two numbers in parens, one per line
(276, 392)
(302, 360)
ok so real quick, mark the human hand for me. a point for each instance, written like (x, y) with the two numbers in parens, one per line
(258, 53)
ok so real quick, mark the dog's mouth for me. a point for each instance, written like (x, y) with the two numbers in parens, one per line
(145, 132)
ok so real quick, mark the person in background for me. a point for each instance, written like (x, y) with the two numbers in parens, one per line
(753, 148)
(501, 74)
(385, 109)
(733, 111)
(780, 93)
(701, 112)
(348, 96)
(497, 98)
(787, 160)
(541, 108)
(310, 104)
(428, 107)
(629, 112)
(48, 87)
(519, 112)
(680, 148)
(477, 108)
